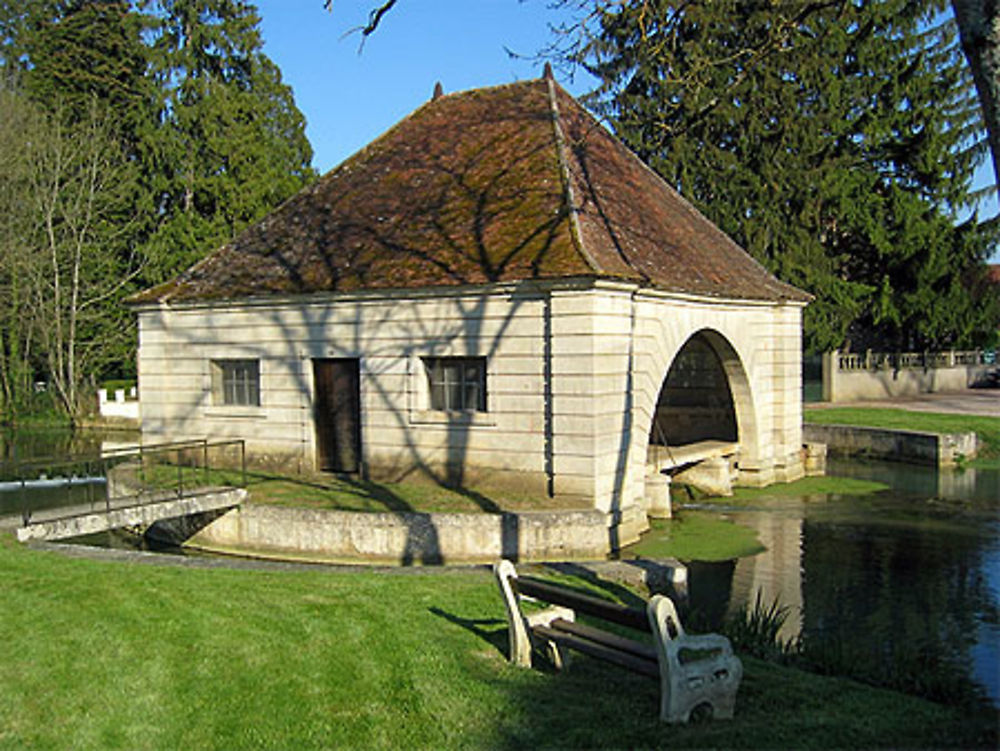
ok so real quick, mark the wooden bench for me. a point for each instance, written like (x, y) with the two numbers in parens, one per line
(695, 672)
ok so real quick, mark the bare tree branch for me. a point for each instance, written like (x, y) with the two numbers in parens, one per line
(374, 17)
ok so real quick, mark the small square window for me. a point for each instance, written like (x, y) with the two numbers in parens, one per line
(236, 382)
(456, 384)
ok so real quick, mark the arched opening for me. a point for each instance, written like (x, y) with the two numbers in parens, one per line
(696, 400)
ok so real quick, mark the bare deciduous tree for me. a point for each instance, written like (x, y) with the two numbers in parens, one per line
(65, 193)
(18, 120)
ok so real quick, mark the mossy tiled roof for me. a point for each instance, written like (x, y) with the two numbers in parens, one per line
(492, 185)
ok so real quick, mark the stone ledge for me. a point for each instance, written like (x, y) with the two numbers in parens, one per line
(915, 447)
(406, 538)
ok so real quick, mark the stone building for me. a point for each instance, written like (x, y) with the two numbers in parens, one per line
(495, 293)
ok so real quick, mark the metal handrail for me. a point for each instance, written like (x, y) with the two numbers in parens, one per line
(103, 454)
(190, 455)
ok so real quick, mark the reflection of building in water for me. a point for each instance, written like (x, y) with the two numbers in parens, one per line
(777, 572)
(957, 484)
(923, 482)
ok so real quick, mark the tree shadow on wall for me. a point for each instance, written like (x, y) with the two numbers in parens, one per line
(487, 222)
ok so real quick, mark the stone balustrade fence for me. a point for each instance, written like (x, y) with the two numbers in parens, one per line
(855, 376)
(122, 406)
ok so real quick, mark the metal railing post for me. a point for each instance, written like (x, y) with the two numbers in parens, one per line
(107, 479)
(25, 511)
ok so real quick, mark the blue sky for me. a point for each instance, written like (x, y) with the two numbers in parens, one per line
(349, 99)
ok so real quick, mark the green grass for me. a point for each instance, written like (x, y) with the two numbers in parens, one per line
(346, 494)
(696, 535)
(44, 417)
(808, 486)
(986, 428)
(108, 655)
(118, 383)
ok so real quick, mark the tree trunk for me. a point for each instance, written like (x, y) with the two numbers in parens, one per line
(979, 27)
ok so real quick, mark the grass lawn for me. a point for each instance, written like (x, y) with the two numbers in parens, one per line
(986, 428)
(323, 491)
(106, 655)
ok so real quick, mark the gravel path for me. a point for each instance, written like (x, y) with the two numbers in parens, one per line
(981, 402)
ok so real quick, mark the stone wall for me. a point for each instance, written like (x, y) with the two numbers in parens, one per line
(398, 538)
(574, 370)
(934, 449)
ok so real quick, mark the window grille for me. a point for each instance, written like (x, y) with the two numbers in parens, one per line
(456, 384)
(236, 382)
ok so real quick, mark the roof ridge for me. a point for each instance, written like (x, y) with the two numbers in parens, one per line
(682, 201)
(564, 173)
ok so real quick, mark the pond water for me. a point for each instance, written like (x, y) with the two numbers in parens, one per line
(57, 481)
(906, 575)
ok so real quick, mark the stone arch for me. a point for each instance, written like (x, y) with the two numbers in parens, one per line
(740, 390)
(695, 400)
(737, 384)
(741, 397)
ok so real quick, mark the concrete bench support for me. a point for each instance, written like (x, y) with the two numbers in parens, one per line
(694, 671)
(685, 686)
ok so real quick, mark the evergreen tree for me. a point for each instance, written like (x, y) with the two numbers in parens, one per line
(835, 141)
(84, 50)
(233, 143)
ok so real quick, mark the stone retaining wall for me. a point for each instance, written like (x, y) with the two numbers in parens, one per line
(405, 538)
(935, 449)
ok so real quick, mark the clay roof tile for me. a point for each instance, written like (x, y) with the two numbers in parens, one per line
(501, 184)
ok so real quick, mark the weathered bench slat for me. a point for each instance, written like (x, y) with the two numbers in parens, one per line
(608, 611)
(600, 651)
(615, 641)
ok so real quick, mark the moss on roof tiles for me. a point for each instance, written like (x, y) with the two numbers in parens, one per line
(471, 189)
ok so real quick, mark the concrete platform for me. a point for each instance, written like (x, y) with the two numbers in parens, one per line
(60, 524)
(674, 457)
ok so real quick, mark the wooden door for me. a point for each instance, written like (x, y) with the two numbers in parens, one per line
(338, 414)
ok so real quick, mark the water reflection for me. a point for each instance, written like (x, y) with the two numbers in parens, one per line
(25, 445)
(968, 484)
(907, 577)
(75, 478)
(776, 572)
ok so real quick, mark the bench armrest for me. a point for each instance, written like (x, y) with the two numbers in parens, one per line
(712, 680)
(517, 631)
(519, 626)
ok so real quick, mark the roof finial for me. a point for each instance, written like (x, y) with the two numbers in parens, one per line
(438, 91)
(547, 72)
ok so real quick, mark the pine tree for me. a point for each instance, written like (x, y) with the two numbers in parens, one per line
(84, 50)
(832, 140)
(233, 143)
